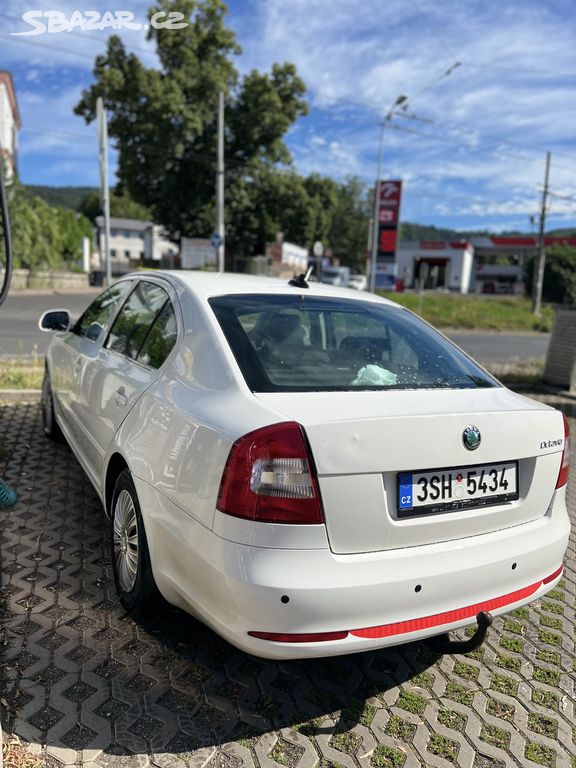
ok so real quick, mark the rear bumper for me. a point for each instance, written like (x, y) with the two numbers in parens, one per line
(376, 599)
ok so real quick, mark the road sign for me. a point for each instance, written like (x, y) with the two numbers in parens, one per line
(216, 240)
(318, 249)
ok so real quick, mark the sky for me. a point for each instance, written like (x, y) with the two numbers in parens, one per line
(489, 87)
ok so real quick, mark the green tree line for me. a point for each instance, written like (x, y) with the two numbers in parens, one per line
(44, 236)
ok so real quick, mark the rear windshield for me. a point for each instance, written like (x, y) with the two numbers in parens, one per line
(316, 344)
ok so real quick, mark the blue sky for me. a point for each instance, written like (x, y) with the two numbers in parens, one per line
(490, 88)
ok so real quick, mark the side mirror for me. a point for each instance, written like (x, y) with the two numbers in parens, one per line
(55, 320)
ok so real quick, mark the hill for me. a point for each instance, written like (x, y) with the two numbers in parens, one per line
(66, 197)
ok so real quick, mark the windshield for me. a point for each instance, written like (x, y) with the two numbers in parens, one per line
(309, 344)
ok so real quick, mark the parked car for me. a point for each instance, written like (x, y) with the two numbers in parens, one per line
(308, 470)
(360, 282)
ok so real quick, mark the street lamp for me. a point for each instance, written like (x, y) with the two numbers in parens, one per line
(375, 226)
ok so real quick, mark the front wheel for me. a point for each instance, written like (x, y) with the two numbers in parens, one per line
(130, 556)
(49, 423)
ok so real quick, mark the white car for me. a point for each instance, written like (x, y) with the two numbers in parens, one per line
(308, 471)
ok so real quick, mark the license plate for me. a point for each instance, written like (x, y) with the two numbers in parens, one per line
(445, 490)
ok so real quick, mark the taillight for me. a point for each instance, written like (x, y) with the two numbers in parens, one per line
(270, 477)
(565, 466)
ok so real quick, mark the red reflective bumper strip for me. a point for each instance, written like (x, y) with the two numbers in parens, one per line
(448, 617)
(412, 625)
(553, 576)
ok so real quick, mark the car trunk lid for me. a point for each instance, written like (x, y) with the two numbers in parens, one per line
(362, 441)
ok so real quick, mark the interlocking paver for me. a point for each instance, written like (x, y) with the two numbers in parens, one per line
(86, 684)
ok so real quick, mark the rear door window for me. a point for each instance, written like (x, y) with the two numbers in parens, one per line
(161, 338)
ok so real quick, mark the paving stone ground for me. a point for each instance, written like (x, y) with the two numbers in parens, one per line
(85, 684)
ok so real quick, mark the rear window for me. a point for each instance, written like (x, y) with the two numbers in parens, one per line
(314, 344)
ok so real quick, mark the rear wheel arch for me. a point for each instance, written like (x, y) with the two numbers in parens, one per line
(116, 465)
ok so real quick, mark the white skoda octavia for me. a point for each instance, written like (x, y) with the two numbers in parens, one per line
(309, 471)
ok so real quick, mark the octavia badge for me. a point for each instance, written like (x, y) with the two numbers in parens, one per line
(471, 437)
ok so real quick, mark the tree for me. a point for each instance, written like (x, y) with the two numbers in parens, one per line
(121, 205)
(44, 236)
(559, 276)
(164, 122)
(348, 235)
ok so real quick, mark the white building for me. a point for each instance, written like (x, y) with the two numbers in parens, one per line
(9, 123)
(432, 265)
(134, 244)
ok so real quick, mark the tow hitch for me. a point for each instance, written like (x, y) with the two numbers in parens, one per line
(443, 644)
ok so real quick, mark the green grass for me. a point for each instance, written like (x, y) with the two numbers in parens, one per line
(503, 313)
(21, 374)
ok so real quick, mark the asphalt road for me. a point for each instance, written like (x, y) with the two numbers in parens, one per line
(20, 336)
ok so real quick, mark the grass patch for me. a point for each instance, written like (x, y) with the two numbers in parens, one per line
(550, 638)
(359, 712)
(556, 594)
(500, 709)
(423, 680)
(400, 728)
(510, 625)
(443, 747)
(552, 607)
(496, 736)
(21, 374)
(506, 661)
(458, 692)
(551, 621)
(346, 742)
(286, 753)
(502, 313)
(549, 676)
(543, 724)
(504, 684)
(452, 719)
(512, 644)
(411, 702)
(387, 757)
(550, 657)
(547, 699)
(520, 613)
(466, 671)
(540, 754)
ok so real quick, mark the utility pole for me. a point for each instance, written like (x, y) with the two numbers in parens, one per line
(220, 237)
(540, 265)
(102, 120)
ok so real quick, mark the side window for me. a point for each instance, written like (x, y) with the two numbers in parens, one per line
(135, 319)
(162, 337)
(102, 310)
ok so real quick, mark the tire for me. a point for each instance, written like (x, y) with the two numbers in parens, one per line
(49, 423)
(130, 556)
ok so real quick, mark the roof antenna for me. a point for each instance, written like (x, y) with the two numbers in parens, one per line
(302, 280)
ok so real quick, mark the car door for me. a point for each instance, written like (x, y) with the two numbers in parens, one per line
(70, 350)
(129, 361)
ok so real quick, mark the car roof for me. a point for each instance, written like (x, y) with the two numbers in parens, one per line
(208, 284)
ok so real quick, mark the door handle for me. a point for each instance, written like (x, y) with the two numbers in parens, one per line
(120, 398)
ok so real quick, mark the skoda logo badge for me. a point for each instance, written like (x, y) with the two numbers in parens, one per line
(471, 437)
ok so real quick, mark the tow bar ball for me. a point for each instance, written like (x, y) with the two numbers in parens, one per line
(442, 643)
